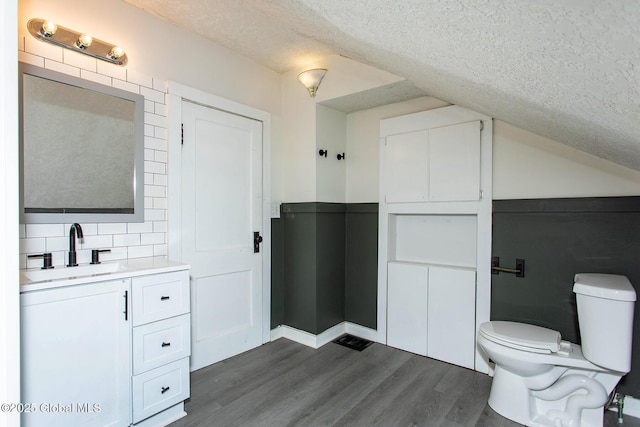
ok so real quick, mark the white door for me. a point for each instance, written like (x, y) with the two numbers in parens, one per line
(221, 211)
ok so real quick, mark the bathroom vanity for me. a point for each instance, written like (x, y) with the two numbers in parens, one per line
(105, 344)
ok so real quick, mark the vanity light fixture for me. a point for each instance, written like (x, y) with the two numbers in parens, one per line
(50, 32)
(311, 79)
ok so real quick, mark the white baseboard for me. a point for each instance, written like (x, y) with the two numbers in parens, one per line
(317, 341)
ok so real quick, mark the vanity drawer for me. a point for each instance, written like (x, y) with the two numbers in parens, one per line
(159, 296)
(156, 344)
(160, 388)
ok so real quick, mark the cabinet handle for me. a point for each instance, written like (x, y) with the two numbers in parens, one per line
(165, 389)
(166, 344)
(164, 298)
(126, 305)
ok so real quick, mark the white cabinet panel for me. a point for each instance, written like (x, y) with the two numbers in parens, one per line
(158, 343)
(406, 177)
(159, 296)
(454, 162)
(76, 354)
(160, 388)
(407, 307)
(451, 320)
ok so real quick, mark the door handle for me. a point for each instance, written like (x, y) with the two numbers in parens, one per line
(257, 239)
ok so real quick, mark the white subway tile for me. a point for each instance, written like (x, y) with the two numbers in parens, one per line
(155, 190)
(115, 254)
(152, 238)
(112, 70)
(59, 259)
(139, 251)
(148, 179)
(46, 50)
(129, 87)
(140, 227)
(112, 228)
(95, 77)
(126, 240)
(30, 59)
(88, 229)
(153, 95)
(155, 215)
(148, 202)
(160, 133)
(161, 156)
(139, 79)
(33, 246)
(155, 120)
(83, 256)
(102, 241)
(160, 179)
(161, 109)
(57, 244)
(149, 106)
(160, 226)
(44, 230)
(155, 167)
(160, 203)
(160, 250)
(79, 60)
(149, 154)
(155, 143)
(148, 130)
(160, 85)
(61, 68)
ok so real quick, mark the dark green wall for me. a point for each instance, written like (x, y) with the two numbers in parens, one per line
(559, 238)
(324, 265)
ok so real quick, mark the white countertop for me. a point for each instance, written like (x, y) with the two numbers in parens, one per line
(121, 269)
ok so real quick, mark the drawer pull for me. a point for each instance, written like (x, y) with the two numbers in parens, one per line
(165, 389)
(164, 298)
(166, 344)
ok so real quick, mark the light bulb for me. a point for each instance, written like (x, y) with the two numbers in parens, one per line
(116, 52)
(49, 28)
(84, 41)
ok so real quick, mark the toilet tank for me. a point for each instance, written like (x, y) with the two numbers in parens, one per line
(605, 314)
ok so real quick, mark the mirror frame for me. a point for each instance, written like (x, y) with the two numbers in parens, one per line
(138, 173)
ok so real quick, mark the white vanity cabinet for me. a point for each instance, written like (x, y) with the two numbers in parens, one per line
(161, 342)
(106, 349)
(75, 355)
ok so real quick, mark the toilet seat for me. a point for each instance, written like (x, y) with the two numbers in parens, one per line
(521, 336)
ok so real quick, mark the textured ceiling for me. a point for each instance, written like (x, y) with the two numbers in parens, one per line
(568, 70)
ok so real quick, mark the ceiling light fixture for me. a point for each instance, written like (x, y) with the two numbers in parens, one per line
(311, 79)
(48, 31)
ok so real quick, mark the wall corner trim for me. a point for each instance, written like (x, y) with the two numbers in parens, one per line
(317, 341)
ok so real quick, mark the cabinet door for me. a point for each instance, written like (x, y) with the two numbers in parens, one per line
(451, 320)
(75, 355)
(454, 162)
(407, 307)
(405, 174)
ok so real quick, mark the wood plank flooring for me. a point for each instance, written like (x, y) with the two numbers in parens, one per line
(284, 383)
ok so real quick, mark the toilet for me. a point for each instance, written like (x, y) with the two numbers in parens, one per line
(541, 380)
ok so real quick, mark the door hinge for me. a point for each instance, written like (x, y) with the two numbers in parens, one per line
(182, 134)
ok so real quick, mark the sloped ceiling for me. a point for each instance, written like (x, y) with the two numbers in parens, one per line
(567, 70)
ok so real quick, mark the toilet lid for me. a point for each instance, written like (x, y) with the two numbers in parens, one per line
(522, 336)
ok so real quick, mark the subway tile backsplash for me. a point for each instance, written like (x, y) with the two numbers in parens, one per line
(125, 240)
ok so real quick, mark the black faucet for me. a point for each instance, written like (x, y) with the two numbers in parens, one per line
(75, 227)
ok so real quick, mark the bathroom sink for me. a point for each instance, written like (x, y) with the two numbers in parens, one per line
(70, 272)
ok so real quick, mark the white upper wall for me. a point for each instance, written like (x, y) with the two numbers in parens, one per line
(525, 165)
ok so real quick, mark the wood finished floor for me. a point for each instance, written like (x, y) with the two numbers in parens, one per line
(284, 383)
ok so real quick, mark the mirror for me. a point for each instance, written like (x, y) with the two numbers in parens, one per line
(81, 150)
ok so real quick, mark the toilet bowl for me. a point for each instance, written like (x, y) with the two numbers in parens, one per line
(541, 380)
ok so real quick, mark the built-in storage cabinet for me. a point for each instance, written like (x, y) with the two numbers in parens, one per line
(76, 356)
(106, 353)
(161, 342)
(433, 165)
(435, 233)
